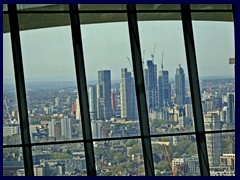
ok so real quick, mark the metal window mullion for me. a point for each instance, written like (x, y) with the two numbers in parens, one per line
(20, 89)
(82, 89)
(195, 90)
(140, 89)
(236, 19)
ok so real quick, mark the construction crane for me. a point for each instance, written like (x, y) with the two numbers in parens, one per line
(143, 56)
(5, 103)
(173, 170)
(152, 54)
(162, 62)
(130, 64)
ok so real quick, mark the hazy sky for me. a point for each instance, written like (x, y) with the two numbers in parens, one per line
(48, 54)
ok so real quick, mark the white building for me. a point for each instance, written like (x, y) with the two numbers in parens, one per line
(9, 130)
(214, 143)
(66, 127)
(186, 164)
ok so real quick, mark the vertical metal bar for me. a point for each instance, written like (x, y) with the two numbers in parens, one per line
(195, 90)
(236, 19)
(82, 89)
(140, 89)
(20, 88)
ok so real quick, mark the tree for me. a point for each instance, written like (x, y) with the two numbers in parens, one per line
(68, 151)
(228, 140)
(158, 149)
(61, 156)
(100, 152)
(10, 154)
(131, 142)
(12, 139)
(135, 149)
(120, 157)
(162, 165)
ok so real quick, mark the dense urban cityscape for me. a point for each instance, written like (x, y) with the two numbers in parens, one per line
(54, 115)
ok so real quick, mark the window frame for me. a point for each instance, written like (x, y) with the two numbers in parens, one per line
(88, 140)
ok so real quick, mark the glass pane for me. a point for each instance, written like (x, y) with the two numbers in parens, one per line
(98, 7)
(175, 156)
(12, 163)
(119, 158)
(50, 78)
(11, 124)
(216, 16)
(96, 18)
(6, 27)
(42, 7)
(35, 21)
(158, 7)
(5, 7)
(158, 16)
(211, 6)
(111, 89)
(166, 76)
(59, 160)
(221, 154)
(214, 42)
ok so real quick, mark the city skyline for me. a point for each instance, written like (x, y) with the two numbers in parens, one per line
(56, 117)
(162, 122)
(112, 52)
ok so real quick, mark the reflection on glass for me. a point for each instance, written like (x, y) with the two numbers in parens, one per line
(96, 18)
(175, 156)
(211, 6)
(11, 124)
(119, 158)
(37, 21)
(42, 7)
(99, 7)
(12, 162)
(59, 160)
(6, 27)
(216, 16)
(111, 88)
(221, 154)
(165, 75)
(156, 7)
(5, 7)
(215, 53)
(53, 105)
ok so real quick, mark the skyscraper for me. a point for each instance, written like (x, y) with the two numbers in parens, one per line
(104, 94)
(92, 95)
(214, 145)
(100, 102)
(57, 101)
(128, 96)
(78, 115)
(230, 108)
(164, 92)
(66, 127)
(180, 86)
(73, 110)
(113, 101)
(96, 129)
(151, 84)
(54, 129)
